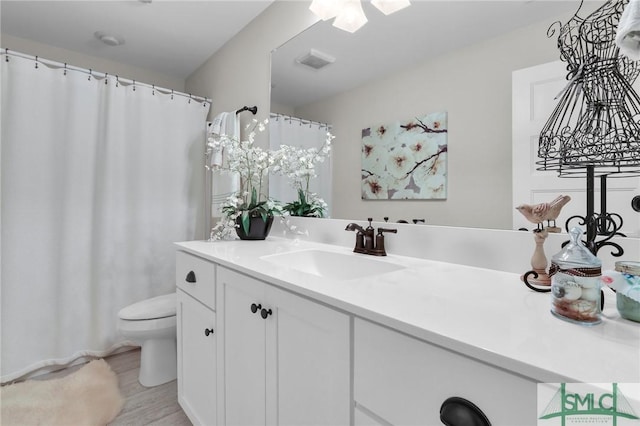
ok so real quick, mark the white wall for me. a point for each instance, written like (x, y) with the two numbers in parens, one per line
(240, 72)
(91, 62)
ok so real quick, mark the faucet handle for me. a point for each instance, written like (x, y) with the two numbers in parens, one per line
(380, 249)
(381, 230)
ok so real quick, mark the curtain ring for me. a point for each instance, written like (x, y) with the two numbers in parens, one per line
(117, 81)
(65, 69)
(171, 94)
(189, 97)
(106, 78)
(153, 90)
(6, 55)
(89, 79)
(36, 62)
(134, 85)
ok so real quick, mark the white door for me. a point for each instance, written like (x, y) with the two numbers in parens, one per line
(534, 90)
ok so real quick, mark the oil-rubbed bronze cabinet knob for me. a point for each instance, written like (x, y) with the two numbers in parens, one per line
(456, 411)
(191, 277)
(208, 331)
(265, 313)
(255, 308)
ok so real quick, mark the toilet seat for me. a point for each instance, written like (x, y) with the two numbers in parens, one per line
(150, 309)
(146, 326)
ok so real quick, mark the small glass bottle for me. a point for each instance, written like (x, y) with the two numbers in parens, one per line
(575, 283)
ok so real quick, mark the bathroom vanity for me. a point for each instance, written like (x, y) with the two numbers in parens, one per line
(287, 331)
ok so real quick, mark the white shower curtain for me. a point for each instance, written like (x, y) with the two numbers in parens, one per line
(98, 179)
(286, 130)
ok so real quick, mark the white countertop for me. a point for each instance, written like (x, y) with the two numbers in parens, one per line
(485, 314)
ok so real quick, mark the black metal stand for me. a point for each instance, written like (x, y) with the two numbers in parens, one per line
(601, 225)
(594, 124)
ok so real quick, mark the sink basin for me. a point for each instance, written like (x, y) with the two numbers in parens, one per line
(334, 265)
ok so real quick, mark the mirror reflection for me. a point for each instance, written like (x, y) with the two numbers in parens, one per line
(434, 56)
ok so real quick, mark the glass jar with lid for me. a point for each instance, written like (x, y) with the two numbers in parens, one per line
(575, 283)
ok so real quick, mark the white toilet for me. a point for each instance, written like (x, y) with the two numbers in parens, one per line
(152, 324)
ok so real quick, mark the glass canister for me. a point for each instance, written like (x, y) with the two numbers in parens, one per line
(575, 283)
(625, 280)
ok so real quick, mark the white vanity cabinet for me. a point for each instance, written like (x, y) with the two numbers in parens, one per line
(402, 380)
(286, 358)
(197, 336)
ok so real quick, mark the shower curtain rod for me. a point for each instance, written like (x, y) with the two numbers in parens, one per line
(7, 53)
(299, 120)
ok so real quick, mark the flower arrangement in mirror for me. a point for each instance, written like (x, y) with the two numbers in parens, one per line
(249, 212)
(298, 165)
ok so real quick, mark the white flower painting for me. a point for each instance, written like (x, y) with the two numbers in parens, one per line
(406, 161)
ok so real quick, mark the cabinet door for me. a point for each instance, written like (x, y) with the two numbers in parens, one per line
(196, 360)
(308, 362)
(244, 348)
(405, 381)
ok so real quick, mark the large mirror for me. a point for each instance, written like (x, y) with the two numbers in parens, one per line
(434, 56)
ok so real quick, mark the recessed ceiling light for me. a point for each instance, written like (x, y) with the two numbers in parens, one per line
(109, 39)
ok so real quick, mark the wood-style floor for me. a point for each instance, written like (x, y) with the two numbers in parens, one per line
(156, 406)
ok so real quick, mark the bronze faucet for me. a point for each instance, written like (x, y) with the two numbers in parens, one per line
(365, 243)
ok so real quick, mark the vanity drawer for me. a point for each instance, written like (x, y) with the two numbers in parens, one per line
(196, 276)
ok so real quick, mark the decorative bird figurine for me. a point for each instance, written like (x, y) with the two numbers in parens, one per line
(539, 213)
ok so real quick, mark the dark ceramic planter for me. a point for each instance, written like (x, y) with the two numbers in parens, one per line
(258, 228)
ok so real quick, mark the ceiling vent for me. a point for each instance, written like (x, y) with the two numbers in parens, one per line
(109, 39)
(316, 59)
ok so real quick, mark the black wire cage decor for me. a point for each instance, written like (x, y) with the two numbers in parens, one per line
(594, 130)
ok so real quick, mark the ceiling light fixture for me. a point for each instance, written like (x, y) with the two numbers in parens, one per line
(349, 14)
(390, 6)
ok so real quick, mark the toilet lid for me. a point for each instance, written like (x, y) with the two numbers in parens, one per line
(157, 307)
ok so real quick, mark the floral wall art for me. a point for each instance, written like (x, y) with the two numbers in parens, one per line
(406, 160)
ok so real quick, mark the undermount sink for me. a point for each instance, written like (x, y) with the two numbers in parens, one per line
(334, 265)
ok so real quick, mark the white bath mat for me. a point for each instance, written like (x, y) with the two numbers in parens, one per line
(89, 396)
